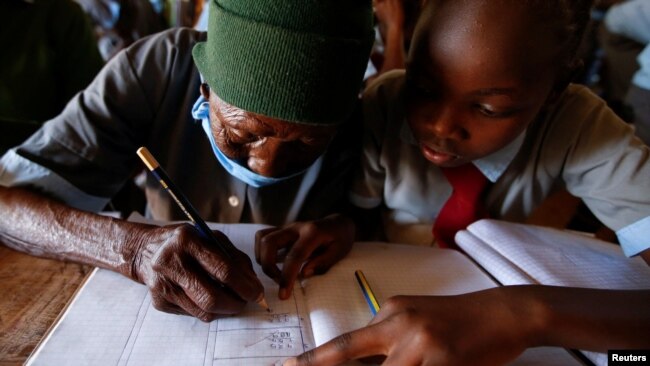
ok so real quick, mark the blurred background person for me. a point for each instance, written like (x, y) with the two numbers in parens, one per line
(49, 54)
(119, 23)
(629, 22)
(395, 21)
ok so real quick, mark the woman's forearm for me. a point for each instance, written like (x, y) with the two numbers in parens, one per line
(40, 226)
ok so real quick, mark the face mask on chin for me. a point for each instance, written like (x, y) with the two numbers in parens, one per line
(201, 111)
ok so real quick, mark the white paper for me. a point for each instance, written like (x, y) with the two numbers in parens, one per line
(517, 254)
(111, 321)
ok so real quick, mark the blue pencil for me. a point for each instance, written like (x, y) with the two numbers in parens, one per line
(367, 292)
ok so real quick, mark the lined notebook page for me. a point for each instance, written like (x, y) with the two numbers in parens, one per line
(336, 303)
(112, 321)
(519, 254)
(524, 254)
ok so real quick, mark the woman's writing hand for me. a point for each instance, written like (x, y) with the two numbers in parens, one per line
(305, 248)
(188, 275)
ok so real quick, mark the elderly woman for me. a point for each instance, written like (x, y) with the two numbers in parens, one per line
(252, 123)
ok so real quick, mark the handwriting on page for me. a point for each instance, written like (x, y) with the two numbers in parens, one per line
(131, 332)
(259, 336)
(254, 337)
(277, 340)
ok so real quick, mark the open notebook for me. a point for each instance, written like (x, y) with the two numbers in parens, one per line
(111, 320)
(517, 254)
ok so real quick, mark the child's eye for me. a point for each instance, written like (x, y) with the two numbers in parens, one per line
(492, 112)
(486, 110)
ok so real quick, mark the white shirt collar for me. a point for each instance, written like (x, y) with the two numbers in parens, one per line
(493, 165)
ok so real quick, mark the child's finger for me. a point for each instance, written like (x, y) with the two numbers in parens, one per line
(294, 260)
(349, 346)
(267, 248)
(325, 260)
(258, 237)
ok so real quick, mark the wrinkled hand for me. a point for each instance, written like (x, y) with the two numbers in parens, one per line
(473, 329)
(305, 248)
(389, 13)
(187, 275)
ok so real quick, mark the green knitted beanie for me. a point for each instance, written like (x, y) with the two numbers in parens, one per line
(296, 60)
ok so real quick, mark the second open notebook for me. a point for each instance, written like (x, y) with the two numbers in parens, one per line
(111, 321)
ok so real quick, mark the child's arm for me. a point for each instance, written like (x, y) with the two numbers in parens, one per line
(493, 326)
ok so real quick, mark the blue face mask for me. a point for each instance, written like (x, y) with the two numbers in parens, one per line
(201, 111)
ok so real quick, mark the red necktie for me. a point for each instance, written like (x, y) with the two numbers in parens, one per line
(463, 207)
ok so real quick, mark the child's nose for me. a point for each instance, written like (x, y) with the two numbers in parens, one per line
(445, 125)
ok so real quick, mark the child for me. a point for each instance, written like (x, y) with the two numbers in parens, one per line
(500, 101)
(487, 84)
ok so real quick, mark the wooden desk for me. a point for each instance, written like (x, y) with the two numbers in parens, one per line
(33, 291)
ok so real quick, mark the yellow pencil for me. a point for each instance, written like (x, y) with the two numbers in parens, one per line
(367, 292)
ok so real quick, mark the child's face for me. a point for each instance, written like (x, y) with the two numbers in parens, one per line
(479, 72)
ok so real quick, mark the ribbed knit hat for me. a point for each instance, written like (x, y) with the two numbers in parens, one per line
(296, 60)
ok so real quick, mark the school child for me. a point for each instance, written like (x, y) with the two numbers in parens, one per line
(503, 105)
(487, 86)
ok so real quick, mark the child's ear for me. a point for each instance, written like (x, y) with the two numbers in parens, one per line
(563, 81)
